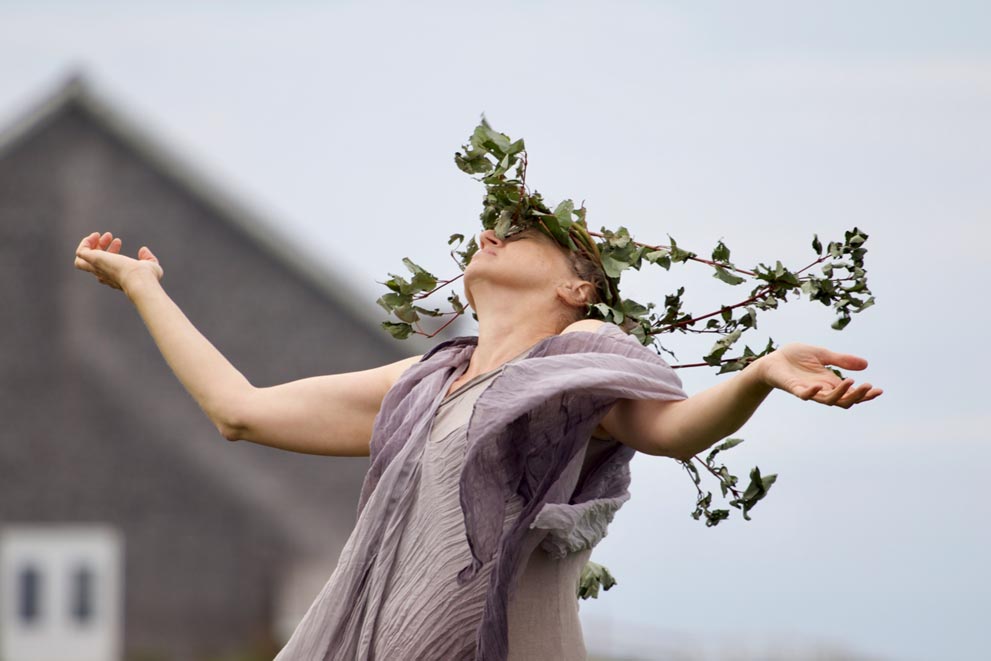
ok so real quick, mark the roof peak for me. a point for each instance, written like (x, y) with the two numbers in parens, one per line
(76, 89)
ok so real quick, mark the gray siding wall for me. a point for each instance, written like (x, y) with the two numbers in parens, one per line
(97, 428)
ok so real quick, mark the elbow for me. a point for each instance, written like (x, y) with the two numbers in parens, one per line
(228, 428)
(680, 456)
(668, 447)
(230, 432)
(230, 422)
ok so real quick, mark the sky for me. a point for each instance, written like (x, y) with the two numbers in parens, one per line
(758, 124)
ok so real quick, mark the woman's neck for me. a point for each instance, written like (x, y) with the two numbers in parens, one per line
(504, 334)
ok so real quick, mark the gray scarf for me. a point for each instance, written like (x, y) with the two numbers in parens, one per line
(527, 434)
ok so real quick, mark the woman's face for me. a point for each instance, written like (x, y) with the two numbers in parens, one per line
(527, 261)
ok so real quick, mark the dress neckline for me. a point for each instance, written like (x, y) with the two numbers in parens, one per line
(475, 379)
(526, 352)
(480, 377)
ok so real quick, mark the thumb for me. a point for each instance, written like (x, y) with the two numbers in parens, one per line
(145, 253)
(846, 360)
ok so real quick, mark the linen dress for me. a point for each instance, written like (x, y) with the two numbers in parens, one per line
(401, 588)
(420, 599)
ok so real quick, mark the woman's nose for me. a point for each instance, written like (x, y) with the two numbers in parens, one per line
(488, 237)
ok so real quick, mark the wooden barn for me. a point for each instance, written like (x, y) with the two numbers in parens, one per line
(129, 528)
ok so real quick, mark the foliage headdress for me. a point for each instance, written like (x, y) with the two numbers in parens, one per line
(508, 207)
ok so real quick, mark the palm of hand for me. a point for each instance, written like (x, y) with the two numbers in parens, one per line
(801, 370)
(100, 255)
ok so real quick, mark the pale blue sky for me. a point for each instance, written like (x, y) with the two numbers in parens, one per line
(759, 123)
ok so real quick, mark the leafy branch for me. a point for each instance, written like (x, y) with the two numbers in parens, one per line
(509, 206)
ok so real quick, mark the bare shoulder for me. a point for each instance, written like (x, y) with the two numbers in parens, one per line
(589, 325)
(395, 370)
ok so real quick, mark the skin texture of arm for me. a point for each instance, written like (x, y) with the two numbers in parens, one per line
(205, 373)
(683, 428)
(334, 414)
(331, 415)
(328, 415)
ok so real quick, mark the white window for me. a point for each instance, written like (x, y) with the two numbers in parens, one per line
(60, 592)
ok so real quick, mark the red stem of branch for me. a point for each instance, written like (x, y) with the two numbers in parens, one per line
(718, 477)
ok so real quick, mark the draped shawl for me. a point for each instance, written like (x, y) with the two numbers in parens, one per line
(526, 435)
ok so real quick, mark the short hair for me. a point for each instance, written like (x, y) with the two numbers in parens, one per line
(588, 270)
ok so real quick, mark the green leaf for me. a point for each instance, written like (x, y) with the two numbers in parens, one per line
(422, 279)
(593, 577)
(456, 303)
(715, 355)
(563, 213)
(472, 162)
(504, 222)
(613, 267)
(840, 323)
(756, 490)
(406, 313)
(660, 257)
(393, 300)
(725, 445)
(720, 253)
(467, 253)
(726, 276)
(430, 313)
(397, 284)
(620, 238)
(398, 331)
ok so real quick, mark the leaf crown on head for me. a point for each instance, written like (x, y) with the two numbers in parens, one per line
(509, 207)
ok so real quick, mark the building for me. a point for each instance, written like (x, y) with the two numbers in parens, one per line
(129, 528)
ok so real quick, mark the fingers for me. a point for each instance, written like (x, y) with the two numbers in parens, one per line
(831, 397)
(853, 396)
(108, 243)
(845, 397)
(864, 393)
(87, 253)
(845, 360)
(97, 241)
(88, 242)
(83, 265)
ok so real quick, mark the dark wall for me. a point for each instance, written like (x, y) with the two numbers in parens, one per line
(97, 428)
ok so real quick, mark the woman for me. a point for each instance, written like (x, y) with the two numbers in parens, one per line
(497, 460)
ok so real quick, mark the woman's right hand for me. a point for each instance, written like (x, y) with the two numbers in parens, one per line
(100, 255)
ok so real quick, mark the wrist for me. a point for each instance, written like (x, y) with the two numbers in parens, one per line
(138, 282)
(756, 375)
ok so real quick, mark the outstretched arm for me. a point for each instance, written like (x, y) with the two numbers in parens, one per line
(683, 428)
(331, 414)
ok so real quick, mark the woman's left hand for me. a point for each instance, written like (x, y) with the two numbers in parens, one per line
(801, 370)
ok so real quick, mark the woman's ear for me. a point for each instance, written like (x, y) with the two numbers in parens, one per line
(576, 293)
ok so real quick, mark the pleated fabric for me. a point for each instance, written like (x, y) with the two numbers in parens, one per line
(521, 488)
(424, 613)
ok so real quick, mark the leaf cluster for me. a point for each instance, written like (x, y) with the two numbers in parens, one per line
(508, 206)
(592, 578)
(755, 491)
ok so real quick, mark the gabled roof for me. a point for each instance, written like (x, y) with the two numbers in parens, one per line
(75, 91)
(304, 496)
